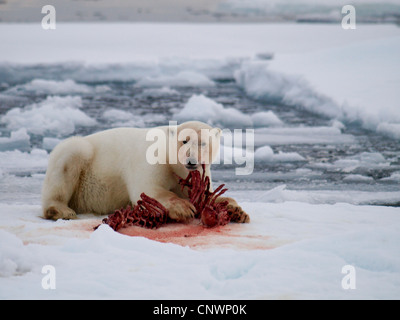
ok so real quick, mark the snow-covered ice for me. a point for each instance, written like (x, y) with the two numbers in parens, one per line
(202, 108)
(353, 84)
(309, 245)
(18, 139)
(267, 154)
(153, 92)
(323, 103)
(211, 112)
(67, 86)
(55, 115)
(18, 161)
(121, 118)
(50, 143)
(301, 135)
(182, 79)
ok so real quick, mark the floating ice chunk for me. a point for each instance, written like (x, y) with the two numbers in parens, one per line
(202, 108)
(364, 159)
(158, 92)
(337, 124)
(50, 143)
(18, 161)
(358, 178)
(121, 118)
(55, 116)
(367, 160)
(287, 157)
(282, 194)
(266, 154)
(228, 154)
(117, 115)
(394, 177)
(265, 119)
(301, 135)
(57, 87)
(370, 157)
(181, 79)
(151, 118)
(233, 118)
(346, 165)
(389, 129)
(18, 140)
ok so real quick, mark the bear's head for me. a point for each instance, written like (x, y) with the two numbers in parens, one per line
(197, 143)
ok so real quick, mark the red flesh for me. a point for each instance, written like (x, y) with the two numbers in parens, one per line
(149, 213)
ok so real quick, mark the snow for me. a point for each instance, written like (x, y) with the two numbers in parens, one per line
(17, 161)
(301, 135)
(328, 237)
(389, 129)
(348, 94)
(298, 241)
(333, 81)
(266, 154)
(50, 143)
(265, 119)
(56, 87)
(395, 177)
(182, 79)
(121, 118)
(355, 86)
(56, 115)
(311, 10)
(357, 178)
(18, 139)
(281, 194)
(155, 92)
(202, 108)
(366, 160)
(261, 83)
(231, 154)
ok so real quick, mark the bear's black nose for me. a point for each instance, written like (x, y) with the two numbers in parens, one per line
(191, 164)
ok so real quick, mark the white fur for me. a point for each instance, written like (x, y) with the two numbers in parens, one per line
(105, 171)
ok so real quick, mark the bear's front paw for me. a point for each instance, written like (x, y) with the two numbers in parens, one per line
(237, 214)
(180, 209)
(235, 211)
(55, 213)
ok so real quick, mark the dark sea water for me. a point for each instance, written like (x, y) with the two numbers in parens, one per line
(364, 161)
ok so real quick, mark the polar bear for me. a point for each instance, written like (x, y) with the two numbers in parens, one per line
(108, 170)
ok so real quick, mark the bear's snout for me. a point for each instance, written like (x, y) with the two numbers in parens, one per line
(191, 164)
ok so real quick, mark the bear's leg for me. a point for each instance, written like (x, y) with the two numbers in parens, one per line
(66, 163)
